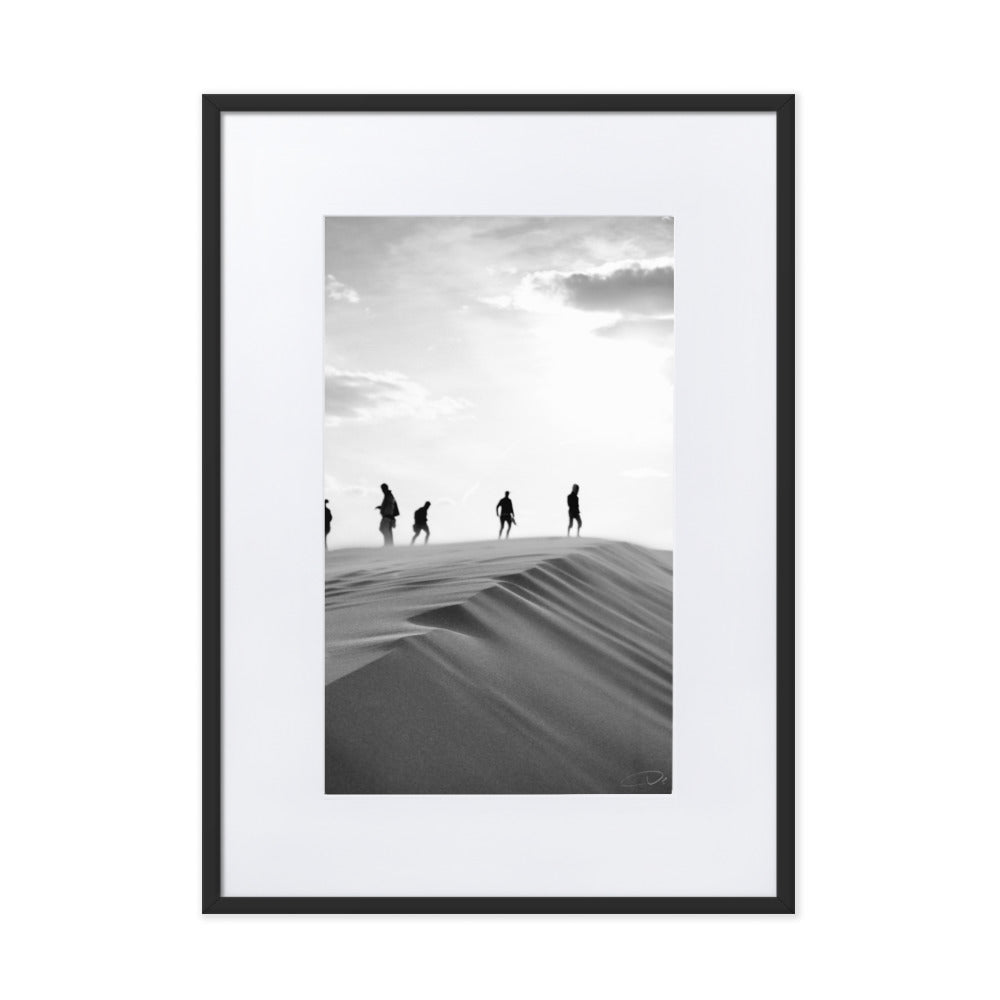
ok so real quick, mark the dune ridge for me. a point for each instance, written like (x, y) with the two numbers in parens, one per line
(543, 666)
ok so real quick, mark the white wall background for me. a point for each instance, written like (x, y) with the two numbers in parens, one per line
(898, 539)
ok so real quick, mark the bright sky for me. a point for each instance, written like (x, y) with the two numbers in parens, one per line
(469, 356)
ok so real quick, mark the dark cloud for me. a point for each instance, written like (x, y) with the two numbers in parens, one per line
(652, 328)
(631, 289)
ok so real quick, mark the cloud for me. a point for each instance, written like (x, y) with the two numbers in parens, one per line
(651, 327)
(340, 292)
(636, 288)
(499, 301)
(627, 287)
(647, 473)
(368, 396)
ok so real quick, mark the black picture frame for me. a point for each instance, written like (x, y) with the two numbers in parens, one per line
(213, 108)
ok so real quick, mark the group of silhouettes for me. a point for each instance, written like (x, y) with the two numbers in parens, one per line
(389, 510)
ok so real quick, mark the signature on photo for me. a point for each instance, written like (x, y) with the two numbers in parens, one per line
(644, 779)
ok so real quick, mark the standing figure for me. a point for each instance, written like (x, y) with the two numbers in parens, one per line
(329, 521)
(573, 502)
(505, 511)
(420, 523)
(389, 511)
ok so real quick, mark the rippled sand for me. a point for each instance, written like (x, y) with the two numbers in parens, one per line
(529, 666)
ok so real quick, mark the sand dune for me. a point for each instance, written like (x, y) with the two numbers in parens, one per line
(529, 666)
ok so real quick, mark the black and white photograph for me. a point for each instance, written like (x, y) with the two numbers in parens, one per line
(499, 505)
(606, 339)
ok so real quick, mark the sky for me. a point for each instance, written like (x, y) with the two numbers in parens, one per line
(469, 356)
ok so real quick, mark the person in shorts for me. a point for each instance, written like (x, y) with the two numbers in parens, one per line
(420, 523)
(505, 511)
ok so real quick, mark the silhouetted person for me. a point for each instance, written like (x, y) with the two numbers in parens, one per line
(573, 502)
(389, 511)
(329, 521)
(505, 511)
(420, 523)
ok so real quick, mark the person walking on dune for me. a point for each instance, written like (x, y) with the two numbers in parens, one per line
(573, 502)
(389, 511)
(505, 511)
(420, 523)
(329, 521)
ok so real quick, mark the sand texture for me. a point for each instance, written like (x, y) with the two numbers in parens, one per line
(529, 666)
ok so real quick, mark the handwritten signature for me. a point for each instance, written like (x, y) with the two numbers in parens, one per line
(643, 779)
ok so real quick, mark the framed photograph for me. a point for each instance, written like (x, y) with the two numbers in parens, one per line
(535, 354)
